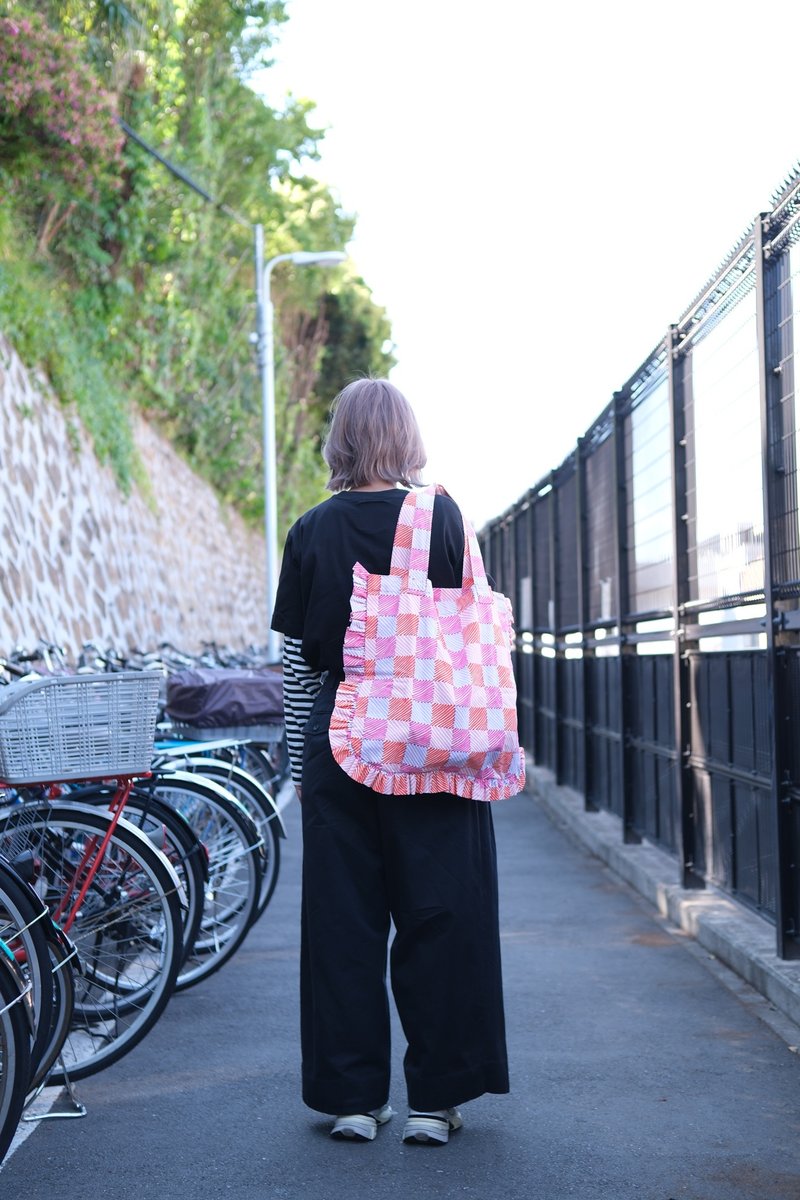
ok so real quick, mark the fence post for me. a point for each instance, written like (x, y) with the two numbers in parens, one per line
(769, 371)
(587, 654)
(629, 832)
(684, 785)
(555, 622)
(542, 563)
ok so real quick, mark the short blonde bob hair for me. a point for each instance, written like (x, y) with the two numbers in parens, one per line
(373, 435)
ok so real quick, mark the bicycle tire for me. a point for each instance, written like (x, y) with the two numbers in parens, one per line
(234, 846)
(276, 754)
(62, 960)
(23, 927)
(128, 930)
(15, 1050)
(265, 761)
(260, 806)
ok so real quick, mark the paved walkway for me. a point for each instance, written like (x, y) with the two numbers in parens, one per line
(636, 1072)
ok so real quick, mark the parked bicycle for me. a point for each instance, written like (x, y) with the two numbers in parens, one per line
(103, 881)
(157, 864)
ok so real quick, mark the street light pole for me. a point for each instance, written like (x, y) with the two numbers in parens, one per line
(265, 344)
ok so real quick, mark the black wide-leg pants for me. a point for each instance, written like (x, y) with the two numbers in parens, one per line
(428, 864)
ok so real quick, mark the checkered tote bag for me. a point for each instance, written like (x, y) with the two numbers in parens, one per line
(428, 702)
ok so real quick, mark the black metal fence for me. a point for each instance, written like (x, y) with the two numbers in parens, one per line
(655, 577)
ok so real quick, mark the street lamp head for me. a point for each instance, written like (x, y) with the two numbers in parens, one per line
(320, 258)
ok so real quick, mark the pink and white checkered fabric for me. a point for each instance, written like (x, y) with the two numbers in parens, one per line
(429, 701)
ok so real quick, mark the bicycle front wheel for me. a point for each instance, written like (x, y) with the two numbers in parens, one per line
(23, 928)
(15, 1050)
(62, 978)
(127, 930)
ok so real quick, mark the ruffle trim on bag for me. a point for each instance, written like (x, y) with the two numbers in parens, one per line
(379, 777)
(387, 783)
(354, 647)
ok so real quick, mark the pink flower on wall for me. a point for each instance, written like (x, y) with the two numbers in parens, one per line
(52, 104)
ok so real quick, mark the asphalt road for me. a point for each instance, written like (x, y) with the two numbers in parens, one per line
(636, 1072)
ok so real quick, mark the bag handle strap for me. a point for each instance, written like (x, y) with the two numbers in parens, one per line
(474, 569)
(412, 543)
(412, 537)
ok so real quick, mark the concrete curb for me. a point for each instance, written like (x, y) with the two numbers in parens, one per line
(737, 937)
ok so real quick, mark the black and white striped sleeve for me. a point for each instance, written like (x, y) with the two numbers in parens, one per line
(301, 683)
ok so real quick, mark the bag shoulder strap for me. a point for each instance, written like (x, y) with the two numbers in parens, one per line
(412, 537)
(474, 570)
(412, 543)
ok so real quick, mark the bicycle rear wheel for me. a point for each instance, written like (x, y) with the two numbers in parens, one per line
(268, 762)
(127, 930)
(234, 850)
(260, 807)
(172, 834)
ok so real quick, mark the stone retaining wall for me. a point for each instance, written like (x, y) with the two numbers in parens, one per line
(80, 561)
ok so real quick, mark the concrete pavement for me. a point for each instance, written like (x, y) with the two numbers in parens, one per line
(637, 1071)
(731, 932)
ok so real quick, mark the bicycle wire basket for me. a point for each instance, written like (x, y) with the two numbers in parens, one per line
(77, 727)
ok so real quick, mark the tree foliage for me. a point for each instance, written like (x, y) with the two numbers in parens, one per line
(144, 267)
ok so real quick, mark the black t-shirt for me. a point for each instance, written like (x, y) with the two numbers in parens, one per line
(316, 581)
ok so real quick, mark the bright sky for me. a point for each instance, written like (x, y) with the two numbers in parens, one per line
(539, 190)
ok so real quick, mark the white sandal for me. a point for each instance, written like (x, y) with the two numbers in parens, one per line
(361, 1127)
(433, 1128)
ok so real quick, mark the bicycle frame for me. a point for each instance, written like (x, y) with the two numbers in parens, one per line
(91, 859)
(94, 852)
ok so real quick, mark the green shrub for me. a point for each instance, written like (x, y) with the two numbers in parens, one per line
(50, 329)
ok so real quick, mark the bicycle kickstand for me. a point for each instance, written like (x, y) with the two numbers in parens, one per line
(76, 1109)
